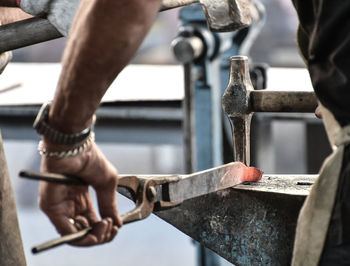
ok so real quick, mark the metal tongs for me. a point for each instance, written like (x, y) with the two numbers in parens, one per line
(156, 193)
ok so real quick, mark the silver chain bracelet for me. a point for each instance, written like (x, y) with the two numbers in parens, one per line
(69, 153)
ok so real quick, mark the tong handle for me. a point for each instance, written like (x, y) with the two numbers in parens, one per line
(61, 240)
(66, 239)
(140, 212)
(51, 177)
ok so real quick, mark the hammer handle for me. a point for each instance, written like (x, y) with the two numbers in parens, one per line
(283, 101)
(36, 30)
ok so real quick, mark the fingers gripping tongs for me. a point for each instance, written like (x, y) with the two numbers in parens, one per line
(141, 189)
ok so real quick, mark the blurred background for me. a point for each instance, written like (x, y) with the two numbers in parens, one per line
(275, 45)
(151, 242)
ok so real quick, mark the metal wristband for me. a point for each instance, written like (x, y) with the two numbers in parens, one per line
(68, 153)
(42, 126)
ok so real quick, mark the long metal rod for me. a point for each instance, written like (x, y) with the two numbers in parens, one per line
(188, 121)
(36, 30)
(186, 186)
(26, 32)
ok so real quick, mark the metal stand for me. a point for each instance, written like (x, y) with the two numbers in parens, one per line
(205, 56)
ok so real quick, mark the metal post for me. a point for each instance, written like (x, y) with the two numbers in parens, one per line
(202, 104)
(204, 83)
(188, 123)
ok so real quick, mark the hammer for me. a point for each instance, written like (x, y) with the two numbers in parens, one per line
(240, 101)
(221, 15)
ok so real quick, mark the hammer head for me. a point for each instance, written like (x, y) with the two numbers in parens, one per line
(235, 100)
(227, 15)
(236, 104)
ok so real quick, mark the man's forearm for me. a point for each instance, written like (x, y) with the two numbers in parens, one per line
(104, 37)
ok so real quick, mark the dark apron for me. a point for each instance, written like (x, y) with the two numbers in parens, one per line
(323, 233)
(11, 249)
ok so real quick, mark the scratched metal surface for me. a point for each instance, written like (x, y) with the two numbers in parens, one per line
(298, 185)
(245, 227)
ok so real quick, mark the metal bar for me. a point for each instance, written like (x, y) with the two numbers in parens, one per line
(217, 124)
(188, 120)
(223, 15)
(26, 32)
(171, 188)
(283, 101)
(36, 30)
(158, 123)
(211, 180)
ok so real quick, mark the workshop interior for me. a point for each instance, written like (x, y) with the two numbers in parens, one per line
(172, 112)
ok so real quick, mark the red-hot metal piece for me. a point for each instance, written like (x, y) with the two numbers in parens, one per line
(251, 174)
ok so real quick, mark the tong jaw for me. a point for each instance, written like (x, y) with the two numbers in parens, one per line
(144, 192)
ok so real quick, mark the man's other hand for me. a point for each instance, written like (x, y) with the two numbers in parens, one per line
(70, 208)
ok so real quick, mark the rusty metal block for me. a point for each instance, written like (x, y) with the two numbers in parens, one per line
(251, 224)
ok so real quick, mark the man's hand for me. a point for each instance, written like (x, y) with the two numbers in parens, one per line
(70, 208)
(102, 41)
